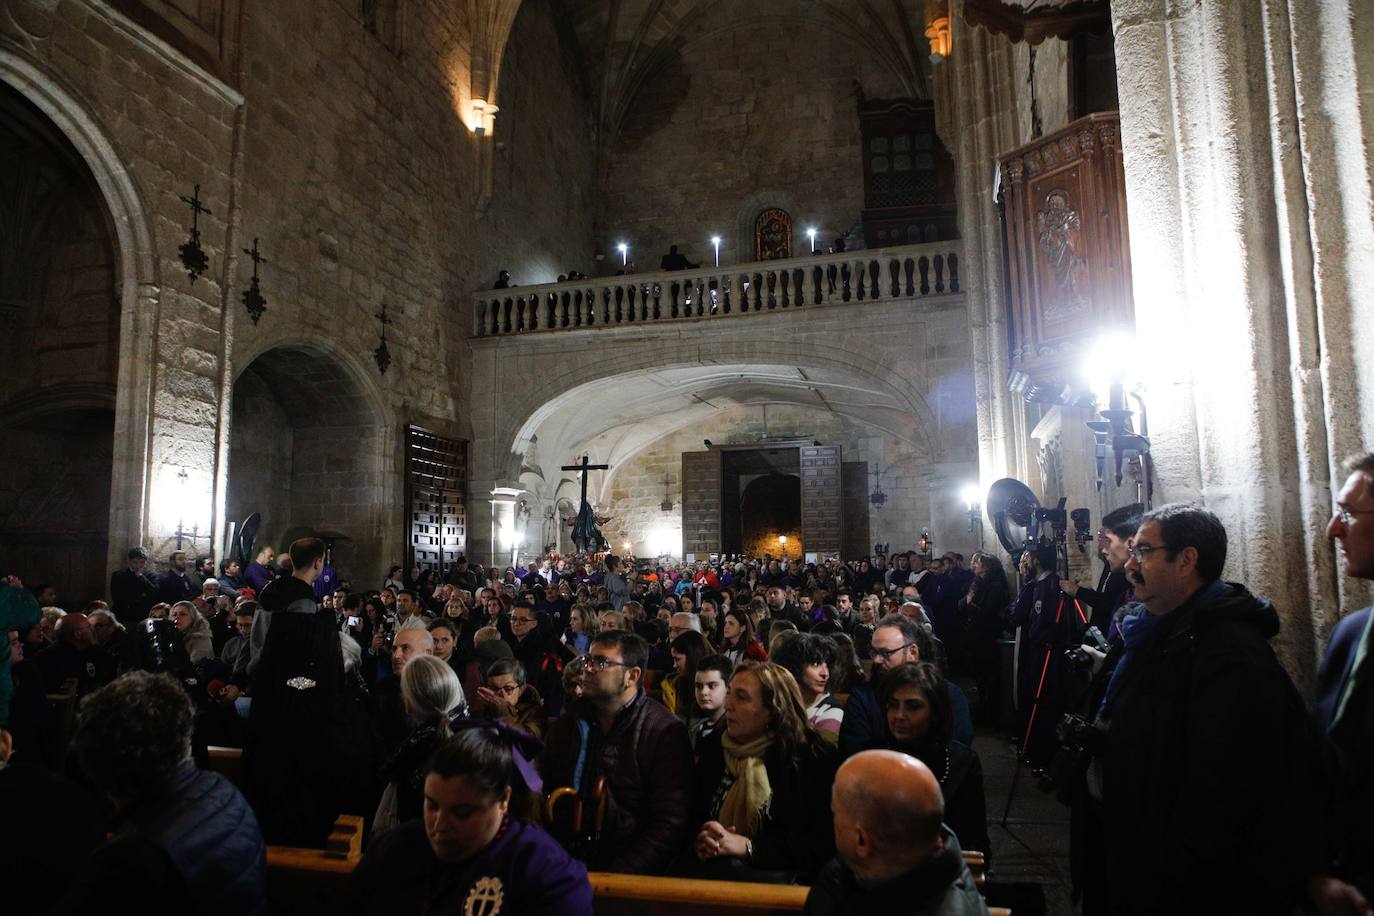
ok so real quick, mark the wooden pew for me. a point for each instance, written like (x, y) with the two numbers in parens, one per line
(305, 881)
(636, 895)
(227, 762)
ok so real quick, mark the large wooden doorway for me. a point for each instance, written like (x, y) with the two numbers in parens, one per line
(745, 499)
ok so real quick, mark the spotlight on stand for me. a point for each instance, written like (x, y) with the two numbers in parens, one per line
(1107, 373)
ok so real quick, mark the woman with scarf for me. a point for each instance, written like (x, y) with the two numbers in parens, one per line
(433, 696)
(475, 850)
(762, 785)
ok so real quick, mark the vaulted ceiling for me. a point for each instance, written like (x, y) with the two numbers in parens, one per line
(624, 43)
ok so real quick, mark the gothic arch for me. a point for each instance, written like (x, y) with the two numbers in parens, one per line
(137, 284)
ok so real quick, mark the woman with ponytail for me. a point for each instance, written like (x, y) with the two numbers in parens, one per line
(433, 696)
(763, 784)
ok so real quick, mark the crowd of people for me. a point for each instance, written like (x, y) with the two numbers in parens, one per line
(743, 719)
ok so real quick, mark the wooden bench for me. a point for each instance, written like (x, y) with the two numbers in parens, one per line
(227, 762)
(303, 881)
(307, 881)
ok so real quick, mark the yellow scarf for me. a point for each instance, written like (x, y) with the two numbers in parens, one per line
(747, 799)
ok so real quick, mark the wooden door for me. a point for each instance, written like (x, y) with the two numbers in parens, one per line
(822, 515)
(436, 499)
(701, 503)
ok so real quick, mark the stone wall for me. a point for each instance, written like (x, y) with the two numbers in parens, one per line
(341, 145)
(740, 119)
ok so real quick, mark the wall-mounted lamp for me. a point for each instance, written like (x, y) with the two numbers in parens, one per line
(624, 250)
(811, 234)
(715, 243)
(1107, 373)
(482, 117)
(971, 496)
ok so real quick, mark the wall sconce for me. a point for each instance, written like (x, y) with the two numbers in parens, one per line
(971, 496)
(482, 117)
(1106, 370)
(782, 541)
(925, 545)
(940, 39)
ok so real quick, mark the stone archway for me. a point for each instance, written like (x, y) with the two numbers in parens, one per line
(311, 450)
(136, 290)
(59, 356)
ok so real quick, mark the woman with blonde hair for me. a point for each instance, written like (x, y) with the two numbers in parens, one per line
(758, 783)
(582, 628)
(194, 631)
(432, 696)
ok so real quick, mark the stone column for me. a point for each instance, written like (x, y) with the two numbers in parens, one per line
(504, 535)
(1247, 174)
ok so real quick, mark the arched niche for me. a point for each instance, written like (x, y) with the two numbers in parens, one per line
(59, 356)
(310, 449)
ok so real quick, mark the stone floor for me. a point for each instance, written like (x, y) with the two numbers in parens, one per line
(1032, 847)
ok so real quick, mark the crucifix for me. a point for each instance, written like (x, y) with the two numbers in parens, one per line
(382, 354)
(253, 299)
(193, 257)
(585, 535)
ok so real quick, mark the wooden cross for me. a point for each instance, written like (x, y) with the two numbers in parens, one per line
(584, 467)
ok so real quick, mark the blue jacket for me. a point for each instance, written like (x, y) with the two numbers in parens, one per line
(1336, 665)
(196, 850)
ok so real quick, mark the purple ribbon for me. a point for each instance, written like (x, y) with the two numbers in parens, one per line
(524, 747)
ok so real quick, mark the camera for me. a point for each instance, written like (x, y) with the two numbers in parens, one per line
(1079, 742)
(1081, 660)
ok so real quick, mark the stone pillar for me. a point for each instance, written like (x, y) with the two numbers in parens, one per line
(1247, 174)
(505, 538)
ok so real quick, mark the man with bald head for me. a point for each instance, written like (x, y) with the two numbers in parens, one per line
(894, 853)
(75, 655)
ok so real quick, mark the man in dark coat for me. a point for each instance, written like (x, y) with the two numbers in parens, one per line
(133, 590)
(1113, 589)
(290, 757)
(1202, 722)
(175, 584)
(641, 749)
(894, 855)
(1345, 706)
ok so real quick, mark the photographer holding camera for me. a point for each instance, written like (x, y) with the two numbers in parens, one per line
(1113, 589)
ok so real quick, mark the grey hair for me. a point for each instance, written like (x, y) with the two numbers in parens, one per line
(413, 622)
(431, 691)
(351, 651)
(509, 666)
(133, 734)
(693, 621)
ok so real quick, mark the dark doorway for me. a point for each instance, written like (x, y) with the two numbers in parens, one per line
(58, 358)
(770, 516)
(760, 501)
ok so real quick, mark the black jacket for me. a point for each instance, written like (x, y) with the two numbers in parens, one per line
(940, 886)
(132, 595)
(1211, 771)
(797, 833)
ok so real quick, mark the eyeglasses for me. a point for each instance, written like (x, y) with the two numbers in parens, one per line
(515, 620)
(1345, 516)
(601, 663)
(1139, 552)
(886, 654)
(507, 691)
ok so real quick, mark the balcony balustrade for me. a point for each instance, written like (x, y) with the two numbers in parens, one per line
(820, 280)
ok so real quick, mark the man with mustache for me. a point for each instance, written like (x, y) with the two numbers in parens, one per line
(1345, 705)
(1211, 766)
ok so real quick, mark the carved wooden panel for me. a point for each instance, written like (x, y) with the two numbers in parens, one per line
(822, 512)
(1068, 255)
(436, 499)
(854, 497)
(701, 503)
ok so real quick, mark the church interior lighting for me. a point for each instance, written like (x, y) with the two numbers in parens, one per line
(624, 253)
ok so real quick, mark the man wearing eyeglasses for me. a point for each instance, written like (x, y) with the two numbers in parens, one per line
(1345, 703)
(896, 641)
(1210, 766)
(639, 746)
(542, 658)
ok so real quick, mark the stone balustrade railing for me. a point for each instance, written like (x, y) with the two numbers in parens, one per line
(883, 274)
